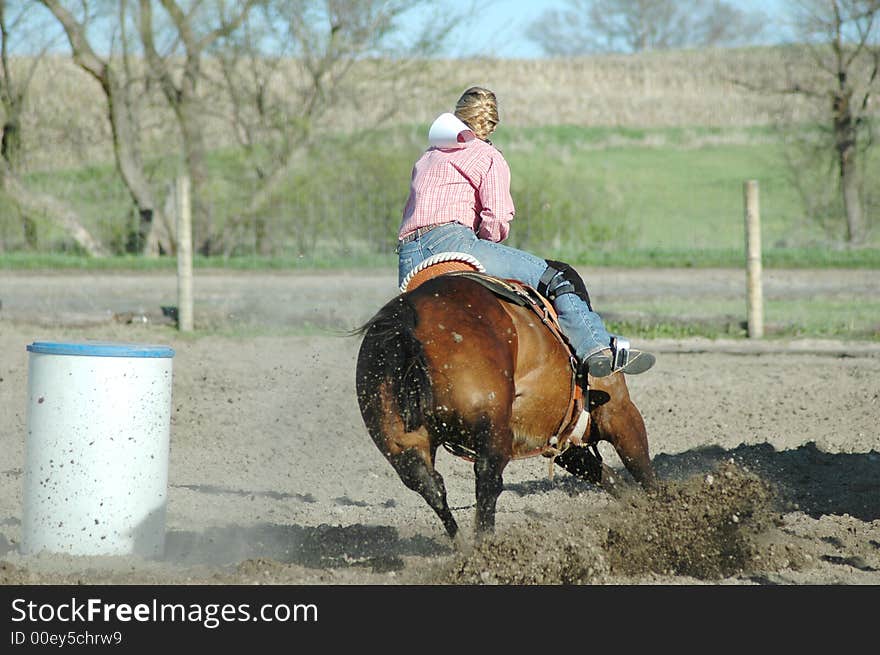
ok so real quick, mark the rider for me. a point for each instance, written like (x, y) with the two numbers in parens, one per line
(460, 201)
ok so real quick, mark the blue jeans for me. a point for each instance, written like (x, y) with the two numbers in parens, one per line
(582, 327)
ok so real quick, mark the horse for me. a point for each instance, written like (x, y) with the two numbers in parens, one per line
(453, 362)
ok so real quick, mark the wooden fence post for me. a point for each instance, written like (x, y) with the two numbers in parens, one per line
(754, 285)
(184, 256)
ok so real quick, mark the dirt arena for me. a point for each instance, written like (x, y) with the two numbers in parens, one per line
(770, 450)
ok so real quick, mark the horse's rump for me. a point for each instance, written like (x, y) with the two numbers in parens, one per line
(460, 349)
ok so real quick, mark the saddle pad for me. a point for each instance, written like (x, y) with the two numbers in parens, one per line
(445, 262)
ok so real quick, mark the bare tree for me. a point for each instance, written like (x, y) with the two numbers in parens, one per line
(590, 26)
(114, 74)
(835, 66)
(14, 88)
(18, 18)
(186, 31)
(56, 210)
(275, 76)
(843, 37)
(325, 54)
(196, 28)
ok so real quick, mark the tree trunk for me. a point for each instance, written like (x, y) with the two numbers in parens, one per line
(846, 135)
(852, 202)
(184, 100)
(130, 166)
(57, 211)
(10, 146)
(126, 140)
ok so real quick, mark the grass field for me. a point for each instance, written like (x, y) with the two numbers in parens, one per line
(660, 196)
(820, 317)
(581, 193)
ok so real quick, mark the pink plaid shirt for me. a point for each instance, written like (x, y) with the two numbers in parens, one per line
(469, 184)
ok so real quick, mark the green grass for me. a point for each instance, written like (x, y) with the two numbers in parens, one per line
(25, 261)
(644, 198)
(673, 317)
(585, 195)
(868, 259)
(826, 317)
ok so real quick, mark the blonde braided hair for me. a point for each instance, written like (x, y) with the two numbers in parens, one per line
(478, 109)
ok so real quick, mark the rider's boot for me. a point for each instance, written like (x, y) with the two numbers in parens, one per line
(619, 357)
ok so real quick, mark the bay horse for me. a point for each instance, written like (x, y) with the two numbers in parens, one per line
(451, 362)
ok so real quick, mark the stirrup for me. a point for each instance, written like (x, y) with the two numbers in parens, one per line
(621, 358)
(621, 349)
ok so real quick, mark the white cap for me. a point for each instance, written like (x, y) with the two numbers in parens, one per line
(447, 131)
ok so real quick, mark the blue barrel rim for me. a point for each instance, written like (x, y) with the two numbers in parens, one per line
(101, 349)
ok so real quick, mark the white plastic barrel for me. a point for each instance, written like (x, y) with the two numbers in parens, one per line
(96, 455)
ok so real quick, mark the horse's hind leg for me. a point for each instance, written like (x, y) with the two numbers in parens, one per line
(416, 470)
(410, 453)
(487, 470)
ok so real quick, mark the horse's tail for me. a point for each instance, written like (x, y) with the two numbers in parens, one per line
(391, 354)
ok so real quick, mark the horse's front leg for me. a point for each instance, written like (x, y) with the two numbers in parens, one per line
(619, 422)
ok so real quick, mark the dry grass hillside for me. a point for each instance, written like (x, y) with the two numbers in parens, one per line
(65, 123)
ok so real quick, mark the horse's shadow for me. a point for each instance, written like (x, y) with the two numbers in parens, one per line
(377, 547)
(807, 478)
